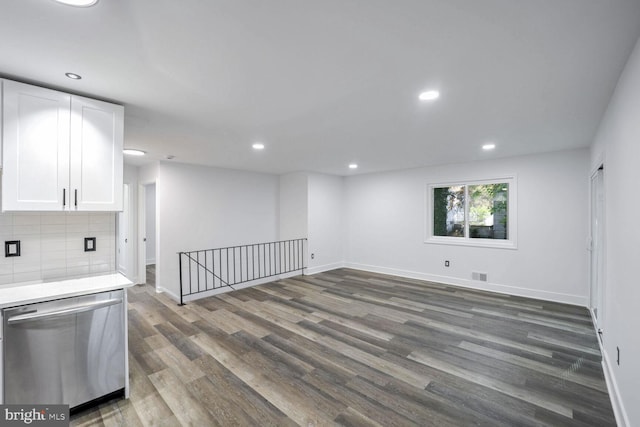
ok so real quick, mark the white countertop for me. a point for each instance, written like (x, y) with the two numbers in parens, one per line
(11, 296)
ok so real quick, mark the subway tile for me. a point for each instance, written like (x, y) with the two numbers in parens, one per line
(33, 276)
(77, 218)
(54, 243)
(6, 269)
(77, 271)
(6, 279)
(53, 264)
(100, 259)
(78, 262)
(100, 227)
(53, 228)
(26, 267)
(25, 218)
(6, 219)
(101, 218)
(51, 218)
(99, 268)
(26, 230)
(29, 248)
(6, 232)
(53, 256)
(49, 274)
(75, 244)
(78, 228)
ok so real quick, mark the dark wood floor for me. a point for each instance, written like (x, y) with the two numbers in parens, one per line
(355, 348)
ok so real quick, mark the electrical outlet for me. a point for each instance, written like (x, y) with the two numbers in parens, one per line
(12, 248)
(89, 244)
(446, 263)
(313, 256)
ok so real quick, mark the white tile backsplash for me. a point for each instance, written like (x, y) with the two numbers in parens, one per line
(52, 245)
(26, 219)
(54, 219)
(53, 228)
(6, 219)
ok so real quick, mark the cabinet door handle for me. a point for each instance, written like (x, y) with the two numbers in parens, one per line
(76, 197)
(64, 197)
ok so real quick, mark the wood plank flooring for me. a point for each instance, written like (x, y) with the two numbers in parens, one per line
(358, 349)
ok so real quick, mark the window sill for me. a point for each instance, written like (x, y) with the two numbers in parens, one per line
(478, 243)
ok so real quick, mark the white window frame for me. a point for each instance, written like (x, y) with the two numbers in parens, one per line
(512, 218)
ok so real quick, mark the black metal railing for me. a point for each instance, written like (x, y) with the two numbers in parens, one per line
(209, 269)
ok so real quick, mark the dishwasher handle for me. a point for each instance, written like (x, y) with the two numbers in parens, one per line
(64, 312)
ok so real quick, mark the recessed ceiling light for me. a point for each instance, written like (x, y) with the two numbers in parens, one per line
(73, 76)
(429, 95)
(258, 146)
(353, 166)
(132, 152)
(78, 3)
(489, 146)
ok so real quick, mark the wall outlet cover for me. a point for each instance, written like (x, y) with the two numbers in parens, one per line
(89, 244)
(11, 248)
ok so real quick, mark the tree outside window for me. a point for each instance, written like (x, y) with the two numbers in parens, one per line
(478, 211)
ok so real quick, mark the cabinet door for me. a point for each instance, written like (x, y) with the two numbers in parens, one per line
(35, 148)
(97, 133)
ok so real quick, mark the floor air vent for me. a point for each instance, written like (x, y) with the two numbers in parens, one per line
(481, 277)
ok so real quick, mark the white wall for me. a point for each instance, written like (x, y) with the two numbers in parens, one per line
(386, 227)
(325, 222)
(150, 223)
(618, 145)
(148, 174)
(293, 208)
(204, 207)
(52, 245)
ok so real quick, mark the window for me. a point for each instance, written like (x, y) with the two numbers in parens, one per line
(476, 213)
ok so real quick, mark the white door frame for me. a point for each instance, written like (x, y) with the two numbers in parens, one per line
(142, 231)
(597, 248)
(142, 228)
(123, 245)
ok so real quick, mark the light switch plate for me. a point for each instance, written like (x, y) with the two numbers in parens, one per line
(11, 248)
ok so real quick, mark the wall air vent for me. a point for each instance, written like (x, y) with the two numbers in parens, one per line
(480, 277)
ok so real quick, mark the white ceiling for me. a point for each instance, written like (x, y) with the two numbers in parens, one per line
(327, 82)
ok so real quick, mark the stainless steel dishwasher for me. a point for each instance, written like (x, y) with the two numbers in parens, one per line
(69, 351)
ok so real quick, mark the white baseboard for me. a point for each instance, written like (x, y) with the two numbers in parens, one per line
(622, 420)
(172, 295)
(473, 284)
(323, 268)
(614, 393)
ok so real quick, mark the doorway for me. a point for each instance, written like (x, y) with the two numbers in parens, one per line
(147, 233)
(597, 284)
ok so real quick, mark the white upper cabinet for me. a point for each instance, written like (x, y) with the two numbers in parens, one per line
(35, 136)
(60, 152)
(96, 155)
